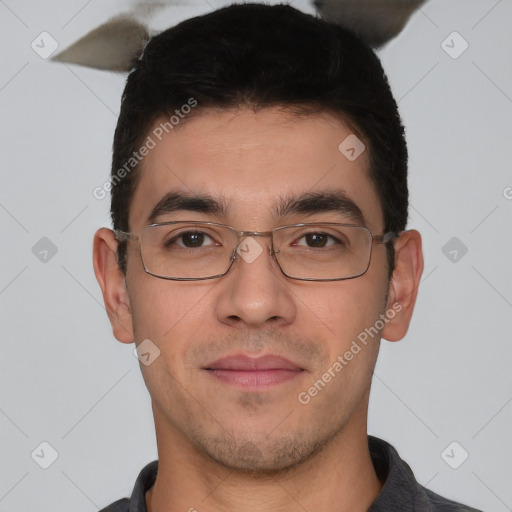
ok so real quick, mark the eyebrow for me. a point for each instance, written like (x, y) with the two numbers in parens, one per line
(308, 203)
(180, 201)
(328, 201)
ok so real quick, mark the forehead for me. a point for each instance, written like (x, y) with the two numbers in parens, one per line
(253, 163)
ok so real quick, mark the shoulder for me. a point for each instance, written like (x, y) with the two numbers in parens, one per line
(122, 505)
(400, 490)
(440, 504)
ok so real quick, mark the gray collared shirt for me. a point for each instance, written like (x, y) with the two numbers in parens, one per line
(400, 490)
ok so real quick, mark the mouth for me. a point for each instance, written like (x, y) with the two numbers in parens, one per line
(253, 373)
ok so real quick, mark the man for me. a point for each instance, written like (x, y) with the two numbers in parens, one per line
(259, 254)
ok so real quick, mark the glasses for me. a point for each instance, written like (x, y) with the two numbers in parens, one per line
(196, 250)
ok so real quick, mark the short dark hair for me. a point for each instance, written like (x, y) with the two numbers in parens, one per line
(262, 56)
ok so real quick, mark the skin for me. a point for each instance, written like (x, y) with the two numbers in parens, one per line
(222, 448)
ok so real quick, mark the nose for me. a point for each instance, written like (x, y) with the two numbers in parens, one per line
(254, 292)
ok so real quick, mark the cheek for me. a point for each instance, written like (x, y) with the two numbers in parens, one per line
(343, 310)
(168, 311)
(171, 315)
(348, 315)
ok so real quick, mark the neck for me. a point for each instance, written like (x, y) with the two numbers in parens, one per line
(341, 472)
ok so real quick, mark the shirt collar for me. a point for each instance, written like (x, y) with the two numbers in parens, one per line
(144, 482)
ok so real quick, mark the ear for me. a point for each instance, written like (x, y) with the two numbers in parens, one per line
(403, 286)
(375, 21)
(114, 46)
(112, 283)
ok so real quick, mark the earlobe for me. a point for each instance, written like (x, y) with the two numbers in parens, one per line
(403, 286)
(112, 284)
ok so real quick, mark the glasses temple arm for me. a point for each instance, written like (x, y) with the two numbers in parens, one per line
(386, 237)
(122, 236)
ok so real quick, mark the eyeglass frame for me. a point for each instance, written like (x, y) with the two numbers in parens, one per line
(389, 236)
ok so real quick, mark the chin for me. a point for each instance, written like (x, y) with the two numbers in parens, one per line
(263, 457)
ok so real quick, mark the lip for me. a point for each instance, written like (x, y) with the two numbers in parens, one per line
(253, 373)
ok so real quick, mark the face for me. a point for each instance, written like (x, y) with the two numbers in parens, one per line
(272, 418)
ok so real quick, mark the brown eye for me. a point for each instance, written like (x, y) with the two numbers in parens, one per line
(316, 239)
(190, 239)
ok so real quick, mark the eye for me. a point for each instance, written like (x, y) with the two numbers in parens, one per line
(318, 240)
(190, 239)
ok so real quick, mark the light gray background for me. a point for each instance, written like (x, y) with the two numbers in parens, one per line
(65, 380)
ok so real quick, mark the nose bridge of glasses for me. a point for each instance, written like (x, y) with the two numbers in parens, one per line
(243, 236)
(254, 233)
